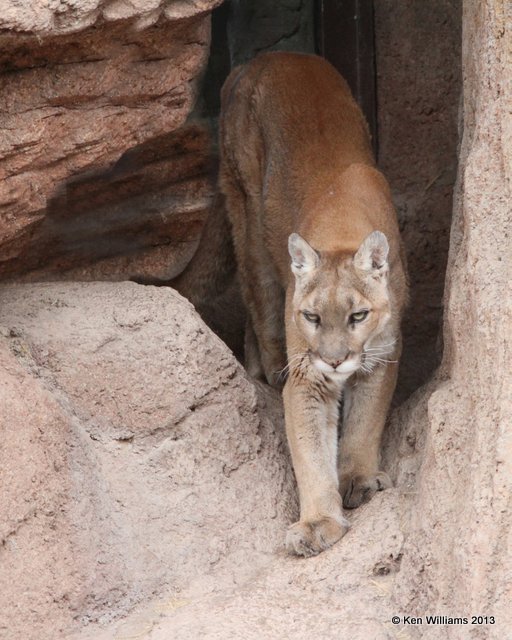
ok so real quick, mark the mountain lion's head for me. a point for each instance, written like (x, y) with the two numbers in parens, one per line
(341, 305)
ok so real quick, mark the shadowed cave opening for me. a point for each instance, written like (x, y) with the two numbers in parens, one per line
(402, 61)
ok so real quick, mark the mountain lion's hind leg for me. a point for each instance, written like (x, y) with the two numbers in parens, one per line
(252, 360)
(265, 302)
(263, 294)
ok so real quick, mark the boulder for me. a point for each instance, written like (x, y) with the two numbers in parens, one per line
(136, 457)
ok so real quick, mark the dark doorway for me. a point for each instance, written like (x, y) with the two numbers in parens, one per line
(342, 31)
(345, 36)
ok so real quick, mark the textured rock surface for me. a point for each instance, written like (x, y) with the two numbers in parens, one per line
(343, 593)
(136, 458)
(141, 217)
(72, 105)
(51, 18)
(458, 554)
(418, 48)
(139, 461)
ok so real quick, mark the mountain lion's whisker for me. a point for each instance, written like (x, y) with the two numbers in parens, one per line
(294, 360)
(378, 349)
(376, 352)
(376, 359)
(381, 346)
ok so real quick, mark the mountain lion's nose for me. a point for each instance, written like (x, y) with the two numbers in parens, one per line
(336, 363)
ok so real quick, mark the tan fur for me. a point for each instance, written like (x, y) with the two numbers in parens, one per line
(296, 159)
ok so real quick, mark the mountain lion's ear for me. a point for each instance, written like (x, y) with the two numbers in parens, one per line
(304, 257)
(372, 255)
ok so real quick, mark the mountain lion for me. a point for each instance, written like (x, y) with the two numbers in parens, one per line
(322, 273)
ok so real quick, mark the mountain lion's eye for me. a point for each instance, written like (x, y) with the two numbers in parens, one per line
(311, 317)
(358, 316)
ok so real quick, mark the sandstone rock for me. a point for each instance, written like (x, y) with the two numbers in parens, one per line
(343, 593)
(136, 457)
(41, 572)
(458, 554)
(141, 217)
(51, 18)
(72, 105)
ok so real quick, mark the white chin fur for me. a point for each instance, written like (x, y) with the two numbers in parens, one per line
(342, 371)
(348, 367)
(323, 366)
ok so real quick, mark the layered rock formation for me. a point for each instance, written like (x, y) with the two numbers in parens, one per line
(83, 83)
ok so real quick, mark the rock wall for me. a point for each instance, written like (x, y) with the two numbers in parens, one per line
(83, 83)
(457, 557)
(103, 173)
(418, 49)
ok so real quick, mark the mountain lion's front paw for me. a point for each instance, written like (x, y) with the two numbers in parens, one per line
(358, 489)
(310, 538)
